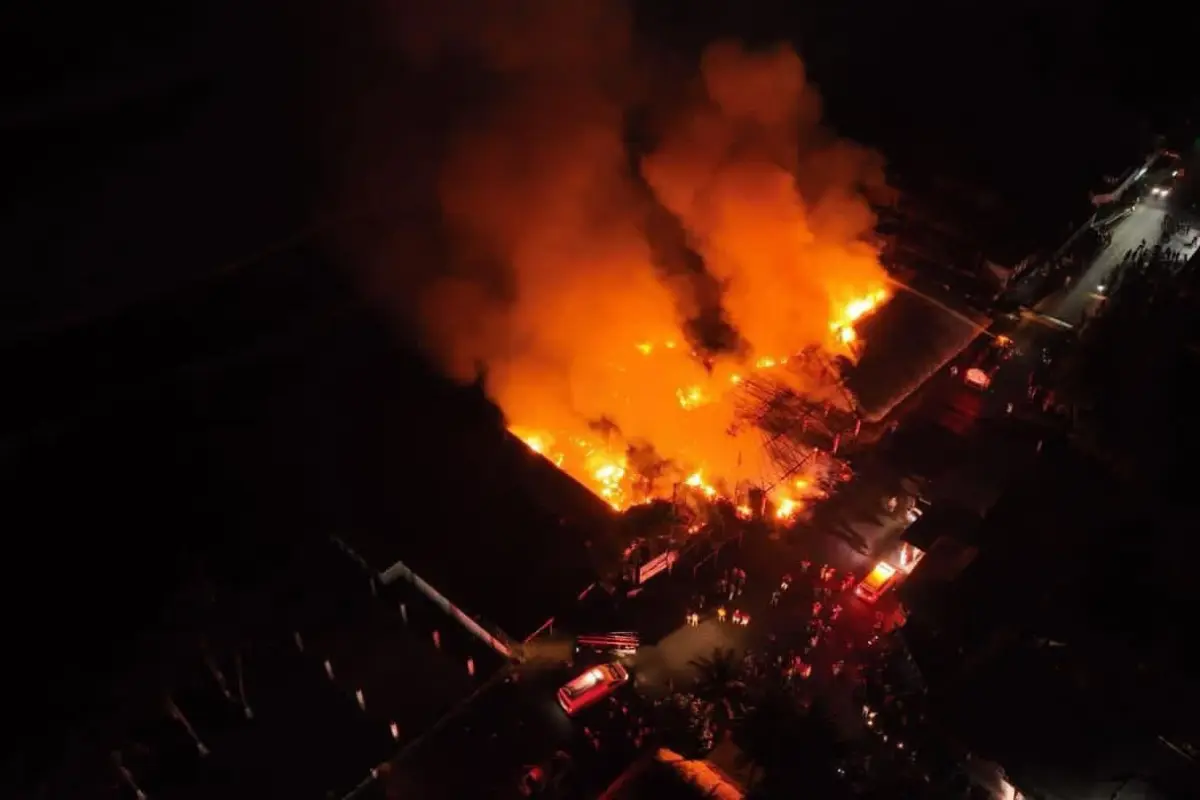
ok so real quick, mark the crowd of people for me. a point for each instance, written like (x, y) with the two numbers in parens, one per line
(811, 641)
(1059, 270)
(818, 645)
(1157, 262)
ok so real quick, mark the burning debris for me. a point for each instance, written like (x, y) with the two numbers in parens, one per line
(639, 380)
(793, 413)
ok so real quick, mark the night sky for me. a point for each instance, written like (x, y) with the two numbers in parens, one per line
(147, 147)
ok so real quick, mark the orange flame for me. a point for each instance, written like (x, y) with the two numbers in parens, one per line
(605, 469)
(558, 289)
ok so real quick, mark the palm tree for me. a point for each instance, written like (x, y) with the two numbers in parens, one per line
(718, 675)
(719, 682)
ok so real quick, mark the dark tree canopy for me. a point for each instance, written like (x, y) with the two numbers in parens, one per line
(1131, 378)
(798, 749)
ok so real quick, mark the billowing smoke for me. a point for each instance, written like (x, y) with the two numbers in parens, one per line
(557, 290)
(773, 204)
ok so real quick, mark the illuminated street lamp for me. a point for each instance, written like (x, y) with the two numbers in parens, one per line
(178, 715)
(126, 776)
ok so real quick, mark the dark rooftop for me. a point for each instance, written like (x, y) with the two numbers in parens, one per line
(942, 519)
(301, 717)
(404, 466)
(907, 339)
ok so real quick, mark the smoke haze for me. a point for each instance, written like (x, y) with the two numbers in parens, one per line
(554, 289)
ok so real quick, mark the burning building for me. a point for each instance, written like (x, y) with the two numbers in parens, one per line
(918, 332)
(635, 372)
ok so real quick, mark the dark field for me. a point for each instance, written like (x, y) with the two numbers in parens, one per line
(222, 442)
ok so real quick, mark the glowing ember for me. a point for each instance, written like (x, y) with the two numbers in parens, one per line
(605, 470)
(697, 482)
(843, 326)
(787, 508)
(690, 397)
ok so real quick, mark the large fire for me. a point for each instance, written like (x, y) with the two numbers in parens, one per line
(603, 464)
(614, 291)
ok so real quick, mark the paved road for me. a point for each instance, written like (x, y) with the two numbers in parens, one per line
(945, 399)
(1144, 224)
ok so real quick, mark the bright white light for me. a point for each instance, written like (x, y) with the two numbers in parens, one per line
(977, 377)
